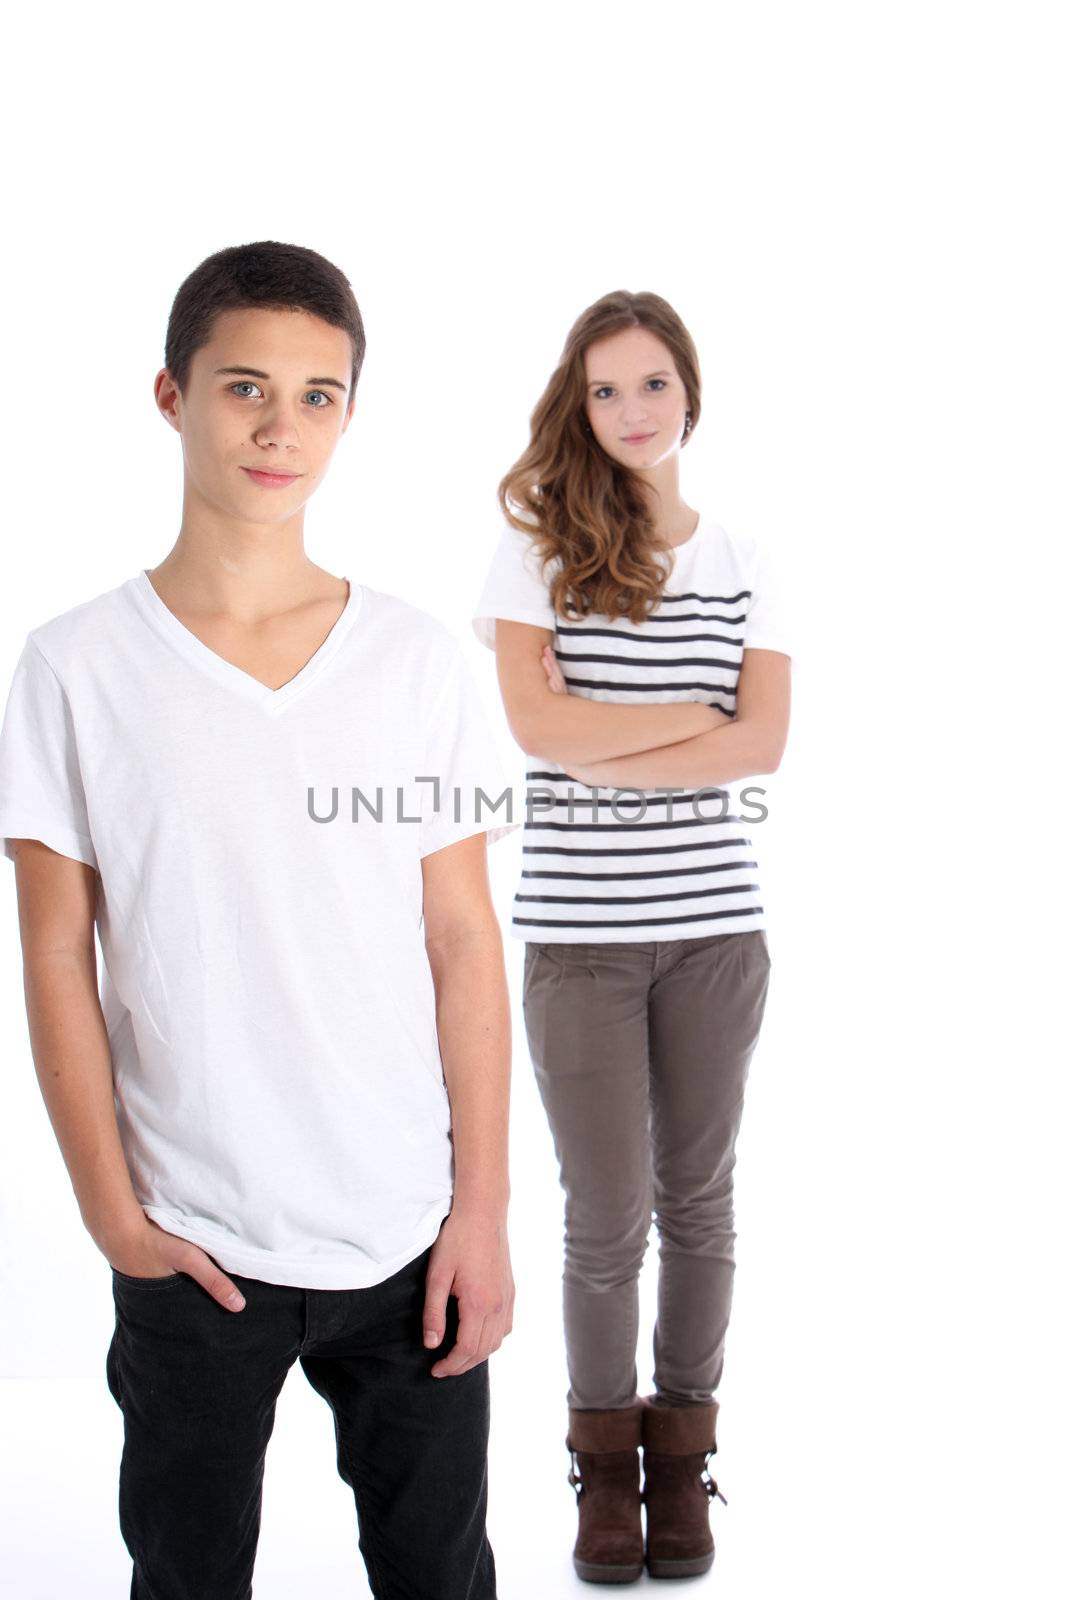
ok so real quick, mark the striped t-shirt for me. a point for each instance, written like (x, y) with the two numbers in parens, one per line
(648, 865)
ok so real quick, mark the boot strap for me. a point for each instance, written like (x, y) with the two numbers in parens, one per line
(709, 1482)
(706, 1479)
(574, 1477)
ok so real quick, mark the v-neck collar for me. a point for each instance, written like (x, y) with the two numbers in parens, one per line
(224, 672)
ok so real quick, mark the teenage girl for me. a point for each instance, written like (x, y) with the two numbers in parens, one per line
(643, 670)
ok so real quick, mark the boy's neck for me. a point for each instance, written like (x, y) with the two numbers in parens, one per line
(242, 570)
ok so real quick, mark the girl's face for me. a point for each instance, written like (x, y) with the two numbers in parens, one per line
(634, 398)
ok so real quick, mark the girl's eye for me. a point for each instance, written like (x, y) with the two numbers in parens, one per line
(321, 396)
(243, 384)
(606, 388)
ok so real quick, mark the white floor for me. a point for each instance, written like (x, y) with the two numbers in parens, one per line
(845, 1487)
(61, 1541)
(878, 1435)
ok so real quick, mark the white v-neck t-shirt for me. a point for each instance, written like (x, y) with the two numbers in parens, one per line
(269, 1003)
(633, 864)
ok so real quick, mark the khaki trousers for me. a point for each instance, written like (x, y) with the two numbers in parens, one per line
(641, 1053)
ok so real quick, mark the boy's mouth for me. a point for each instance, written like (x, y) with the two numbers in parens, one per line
(272, 480)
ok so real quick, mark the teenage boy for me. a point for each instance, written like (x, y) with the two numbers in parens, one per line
(285, 1117)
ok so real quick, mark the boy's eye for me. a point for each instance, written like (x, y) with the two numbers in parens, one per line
(321, 396)
(243, 384)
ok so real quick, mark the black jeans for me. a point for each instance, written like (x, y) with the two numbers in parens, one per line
(197, 1386)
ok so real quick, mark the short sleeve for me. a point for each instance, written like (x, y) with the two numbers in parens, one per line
(41, 792)
(514, 588)
(463, 783)
(767, 626)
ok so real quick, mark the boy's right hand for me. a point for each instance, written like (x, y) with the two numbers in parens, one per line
(159, 1254)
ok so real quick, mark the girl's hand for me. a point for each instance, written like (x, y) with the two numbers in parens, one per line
(556, 681)
(558, 684)
(588, 776)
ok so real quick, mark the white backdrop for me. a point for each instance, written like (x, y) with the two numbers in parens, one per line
(857, 210)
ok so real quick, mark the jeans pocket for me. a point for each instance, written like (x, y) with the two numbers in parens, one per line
(164, 1282)
(554, 954)
(542, 962)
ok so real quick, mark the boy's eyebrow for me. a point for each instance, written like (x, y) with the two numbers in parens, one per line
(662, 373)
(251, 372)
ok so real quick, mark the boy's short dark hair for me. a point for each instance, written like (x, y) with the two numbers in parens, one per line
(281, 276)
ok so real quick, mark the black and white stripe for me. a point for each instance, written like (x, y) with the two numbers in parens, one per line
(685, 867)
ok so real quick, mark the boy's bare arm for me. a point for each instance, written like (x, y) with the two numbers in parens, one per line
(72, 1055)
(68, 1036)
(568, 728)
(470, 1257)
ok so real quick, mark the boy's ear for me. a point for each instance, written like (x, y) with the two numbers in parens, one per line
(168, 398)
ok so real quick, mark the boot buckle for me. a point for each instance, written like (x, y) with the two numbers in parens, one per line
(709, 1482)
(574, 1477)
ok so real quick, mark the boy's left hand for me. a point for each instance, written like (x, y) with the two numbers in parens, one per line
(470, 1259)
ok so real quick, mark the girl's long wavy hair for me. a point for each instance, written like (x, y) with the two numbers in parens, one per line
(571, 498)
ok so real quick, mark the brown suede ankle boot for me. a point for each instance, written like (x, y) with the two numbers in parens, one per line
(606, 1476)
(678, 1443)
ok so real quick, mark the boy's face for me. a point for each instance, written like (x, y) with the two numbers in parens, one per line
(265, 402)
